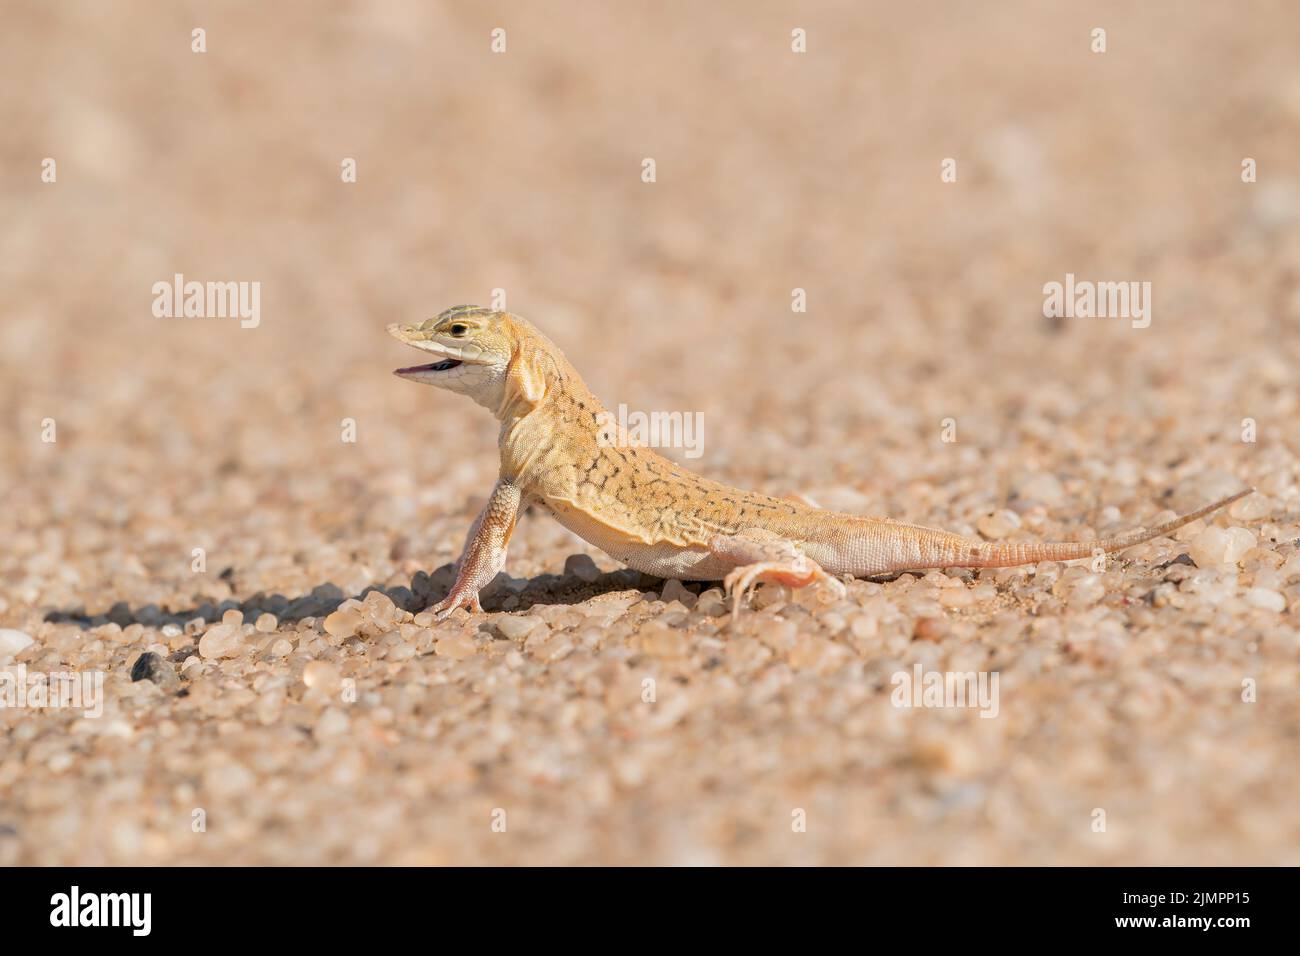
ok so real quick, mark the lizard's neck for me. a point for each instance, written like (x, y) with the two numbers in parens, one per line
(567, 406)
(545, 404)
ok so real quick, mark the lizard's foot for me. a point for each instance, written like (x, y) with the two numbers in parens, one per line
(761, 556)
(457, 598)
(798, 573)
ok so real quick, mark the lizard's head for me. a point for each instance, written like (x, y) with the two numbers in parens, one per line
(476, 351)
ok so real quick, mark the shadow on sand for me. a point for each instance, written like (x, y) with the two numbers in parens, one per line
(503, 594)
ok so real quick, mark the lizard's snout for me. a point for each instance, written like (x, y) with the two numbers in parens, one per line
(403, 333)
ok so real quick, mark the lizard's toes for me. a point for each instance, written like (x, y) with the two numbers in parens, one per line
(447, 606)
(744, 581)
(729, 582)
(797, 573)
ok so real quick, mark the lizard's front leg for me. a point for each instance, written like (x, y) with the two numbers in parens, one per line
(485, 550)
(764, 556)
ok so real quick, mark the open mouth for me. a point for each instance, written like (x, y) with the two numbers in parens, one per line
(449, 355)
(433, 367)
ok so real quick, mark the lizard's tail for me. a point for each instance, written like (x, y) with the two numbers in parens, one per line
(959, 552)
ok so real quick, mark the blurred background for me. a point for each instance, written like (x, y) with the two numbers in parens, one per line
(521, 171)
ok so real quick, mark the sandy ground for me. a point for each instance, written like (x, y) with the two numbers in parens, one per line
(1147, 713)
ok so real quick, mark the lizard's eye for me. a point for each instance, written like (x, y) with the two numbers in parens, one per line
(458, 329)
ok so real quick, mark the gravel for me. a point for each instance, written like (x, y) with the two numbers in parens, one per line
(202, 514)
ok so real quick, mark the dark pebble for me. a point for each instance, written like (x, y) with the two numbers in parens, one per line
(149, 666)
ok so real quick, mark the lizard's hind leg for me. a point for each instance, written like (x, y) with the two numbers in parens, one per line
(761, 556)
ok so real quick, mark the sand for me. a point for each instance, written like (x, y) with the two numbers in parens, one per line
(251, 520)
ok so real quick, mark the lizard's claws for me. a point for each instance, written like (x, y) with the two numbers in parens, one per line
(797, 573)
(444, 608)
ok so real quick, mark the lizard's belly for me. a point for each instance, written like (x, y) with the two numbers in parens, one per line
(663, 559)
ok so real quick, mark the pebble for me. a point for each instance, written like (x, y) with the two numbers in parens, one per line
(1216, 546)
(712, 603)
(332, 723)
(343, 623)
(536, 637)
(945, 755)
(1086, 590)
(61, 761)
(815, 653)
(322, 675)
(769, 594)
(12, 643)
(266, 623)
(930, 629)
(956, 597)
(1266, 598)
(1251, 508)
(514, 627)
(401, 652)
(659, 640)
(1240, 543)
(674, 590)
(864, 626)
(1040, 487)
(582, 567)
(1209, 548)
(556, 648)
(834, 622)
(998, 525)
(152, 667)
(221, 640)
(456, 646)
(777, 634)
(381, 610)
(227, 779)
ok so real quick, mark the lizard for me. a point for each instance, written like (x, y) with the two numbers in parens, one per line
(647, 511)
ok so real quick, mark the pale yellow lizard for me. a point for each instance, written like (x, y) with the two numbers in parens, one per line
(648, 512)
